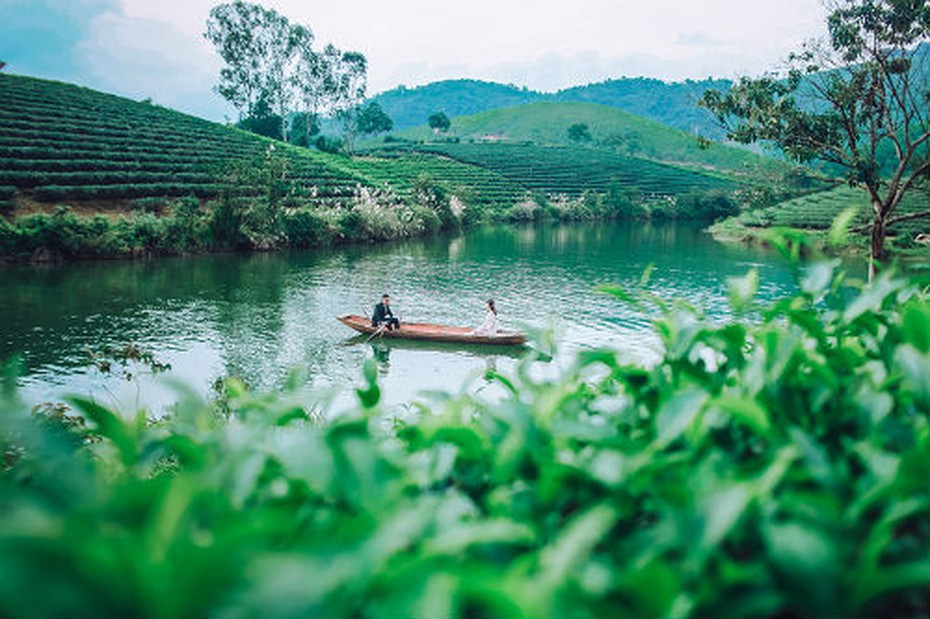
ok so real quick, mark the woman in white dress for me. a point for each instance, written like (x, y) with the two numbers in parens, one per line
(490, 326)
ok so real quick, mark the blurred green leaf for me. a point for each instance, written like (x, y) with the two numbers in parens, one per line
(916, 326)
(111, 426)
(745, 410)
(839, 229)
(743, 290)
(678, 413)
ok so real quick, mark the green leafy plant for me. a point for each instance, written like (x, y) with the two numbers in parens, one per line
(773, 464)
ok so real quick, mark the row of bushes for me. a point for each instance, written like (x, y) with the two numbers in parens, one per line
(35, 178)
(95, 126)
(773, 465)
(103, 165)
(126, 144)
(52, 193)
(63, 154)
(616, 204)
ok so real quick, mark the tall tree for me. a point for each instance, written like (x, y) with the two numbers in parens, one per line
(858, 99)
(260, 49)
(313, 82)
(351, 84)
(235, 29)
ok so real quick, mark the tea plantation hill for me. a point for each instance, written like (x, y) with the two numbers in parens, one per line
(635, 150)
(64, 144)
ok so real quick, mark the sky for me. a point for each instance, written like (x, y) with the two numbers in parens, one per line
(155, 48)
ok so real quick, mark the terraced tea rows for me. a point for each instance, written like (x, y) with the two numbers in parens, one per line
(817, 211)
(568, 170)
(62, 143)
(401, 170)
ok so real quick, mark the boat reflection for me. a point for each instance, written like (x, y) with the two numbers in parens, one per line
(383, 346)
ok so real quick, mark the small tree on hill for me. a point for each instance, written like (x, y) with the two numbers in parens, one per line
(439, 122)
(373, 119)
(579, 133)
(858, 100)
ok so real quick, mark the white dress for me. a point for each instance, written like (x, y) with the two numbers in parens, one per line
(490, 326)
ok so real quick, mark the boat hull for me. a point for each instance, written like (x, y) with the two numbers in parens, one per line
(433, 333)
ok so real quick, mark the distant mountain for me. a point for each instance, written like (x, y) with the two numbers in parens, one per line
(674, 104)
(412, 107)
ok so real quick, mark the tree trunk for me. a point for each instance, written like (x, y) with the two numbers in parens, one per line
(877, 246)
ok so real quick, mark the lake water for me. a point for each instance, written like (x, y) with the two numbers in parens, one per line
(259, 316)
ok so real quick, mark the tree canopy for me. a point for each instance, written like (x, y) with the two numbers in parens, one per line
(857, 99)
(373, 119)
(439, 122)
(579, 133)
(271, 60)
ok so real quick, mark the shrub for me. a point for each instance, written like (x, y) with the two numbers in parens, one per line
(706, 205)
(329, 144)
(305, 228)
(427, 221)
(434, 196)
(526, 210)
(227, 215)
(187, 225)
(149, 205)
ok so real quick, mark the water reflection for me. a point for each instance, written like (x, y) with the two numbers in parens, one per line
(257, 316)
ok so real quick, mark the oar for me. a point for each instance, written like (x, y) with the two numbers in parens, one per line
(377, 333)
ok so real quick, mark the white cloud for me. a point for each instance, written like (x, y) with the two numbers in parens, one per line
(156, 48)
(415, 41)
(142, 58)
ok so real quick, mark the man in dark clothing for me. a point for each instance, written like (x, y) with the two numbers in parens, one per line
(383, 315)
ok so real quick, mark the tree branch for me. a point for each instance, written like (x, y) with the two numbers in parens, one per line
(910, 216)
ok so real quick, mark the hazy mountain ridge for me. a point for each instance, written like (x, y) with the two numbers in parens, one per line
(673, 104)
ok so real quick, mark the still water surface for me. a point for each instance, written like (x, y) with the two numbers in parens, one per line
(259, 316)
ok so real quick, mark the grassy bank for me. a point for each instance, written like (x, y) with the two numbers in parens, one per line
(773, 465)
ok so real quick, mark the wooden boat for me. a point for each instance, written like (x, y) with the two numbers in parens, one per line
(432, 333)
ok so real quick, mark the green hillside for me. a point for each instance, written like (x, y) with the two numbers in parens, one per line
(65, 144)
(548, 123)
(136, 178)
(60, 142)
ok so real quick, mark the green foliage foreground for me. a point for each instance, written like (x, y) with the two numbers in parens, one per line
(774, 465)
